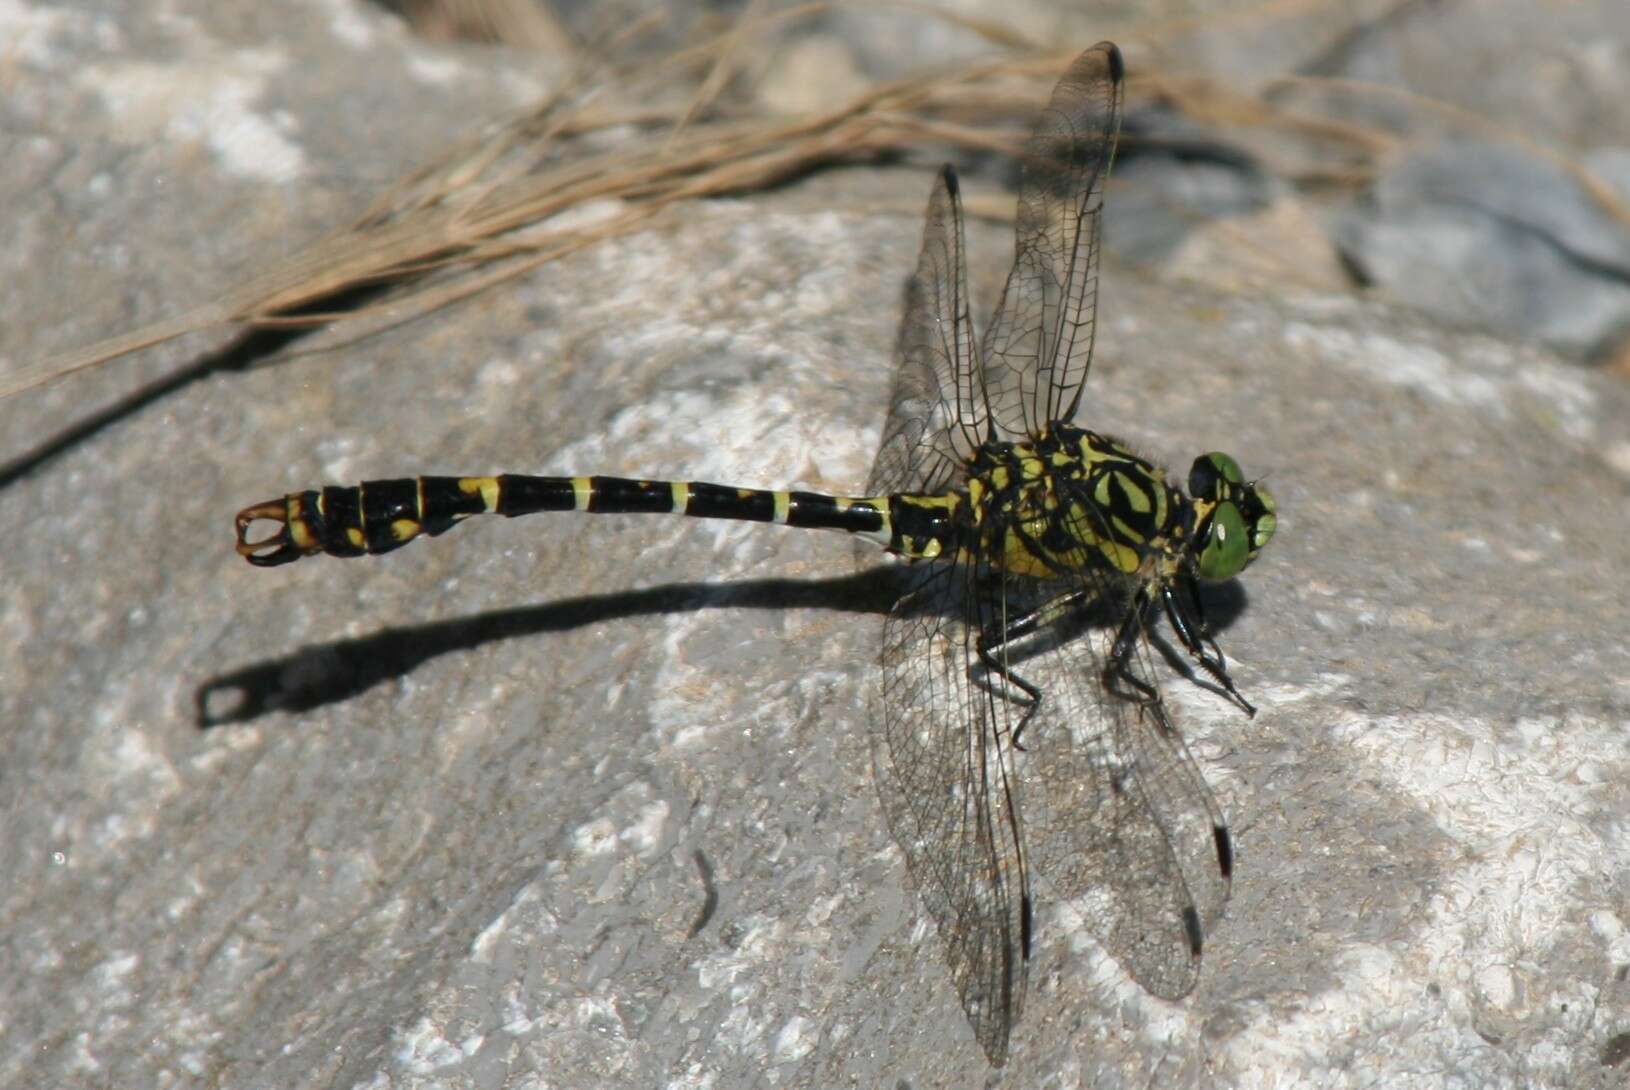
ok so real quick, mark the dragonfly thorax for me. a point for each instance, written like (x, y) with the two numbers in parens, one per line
(1072, 500)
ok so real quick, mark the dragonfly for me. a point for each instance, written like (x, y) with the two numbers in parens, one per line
(1024, 740)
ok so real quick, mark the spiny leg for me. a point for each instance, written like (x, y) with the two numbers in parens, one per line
(1196, 638)
(1120, 679)
(1026, 624)
(1118, 675)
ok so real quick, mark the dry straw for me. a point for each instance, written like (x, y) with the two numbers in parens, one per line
(491, 208)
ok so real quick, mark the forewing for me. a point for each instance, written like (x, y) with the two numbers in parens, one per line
(1038, 347)
(1176, 795)
(932, 424)
(1120, 821)
(945, 777)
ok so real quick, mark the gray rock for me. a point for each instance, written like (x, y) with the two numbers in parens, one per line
(1496, 236)
(588, 802)
(1554, 75)
(1461, 231)
(1173, 181)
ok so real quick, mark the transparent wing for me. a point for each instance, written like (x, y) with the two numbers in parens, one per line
(1038, 347)
(1120, 821)
(1115, 816)
(946, 781)
(931, 426)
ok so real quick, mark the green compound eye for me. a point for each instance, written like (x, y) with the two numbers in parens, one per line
(1227, 546)
(1214, 476)
(1266, 523)
(1227, 467)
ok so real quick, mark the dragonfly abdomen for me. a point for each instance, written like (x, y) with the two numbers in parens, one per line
(379, 516)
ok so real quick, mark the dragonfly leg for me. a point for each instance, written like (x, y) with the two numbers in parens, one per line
(1119, 678)
(1015, 629)
(1189, 622)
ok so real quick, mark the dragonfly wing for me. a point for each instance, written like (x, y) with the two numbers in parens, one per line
(946, 780)
(932, 425)
(1120, 822)
(1175, 793)
(1038, 347)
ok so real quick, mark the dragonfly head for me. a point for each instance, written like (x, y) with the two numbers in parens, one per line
(1237, 517)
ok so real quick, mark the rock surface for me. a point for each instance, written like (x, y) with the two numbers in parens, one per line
(589, 802)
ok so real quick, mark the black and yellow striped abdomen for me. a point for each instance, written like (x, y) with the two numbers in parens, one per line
(378, 516)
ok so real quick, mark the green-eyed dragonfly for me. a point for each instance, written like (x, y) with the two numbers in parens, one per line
(1024, 736)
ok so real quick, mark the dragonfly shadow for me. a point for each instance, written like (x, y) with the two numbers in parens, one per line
(331, 672)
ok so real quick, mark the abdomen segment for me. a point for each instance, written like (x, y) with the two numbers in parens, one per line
(378, 516)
